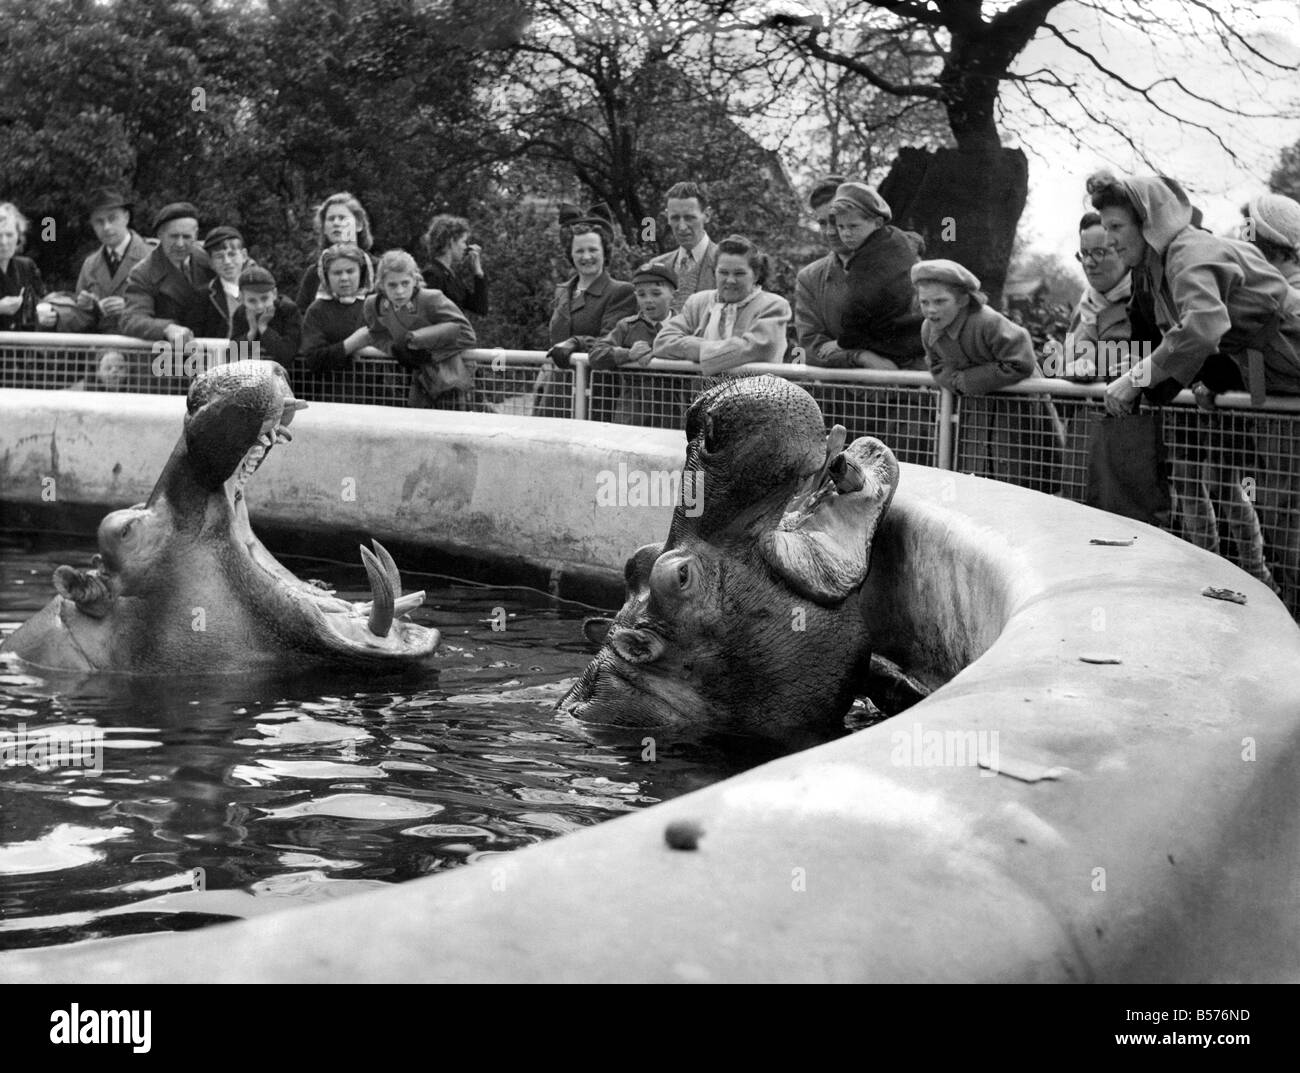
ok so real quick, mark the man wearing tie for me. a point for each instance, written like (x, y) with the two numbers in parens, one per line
(167, 294)
(696, 258)
(101, 284)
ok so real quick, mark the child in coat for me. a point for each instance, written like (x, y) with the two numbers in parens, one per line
(423, 330)
(628, 346)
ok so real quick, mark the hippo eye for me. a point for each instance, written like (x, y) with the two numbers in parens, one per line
(684, 575)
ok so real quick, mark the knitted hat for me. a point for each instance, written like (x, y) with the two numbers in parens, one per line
(862, 197)
(949, 272)
(177, 210)
(1277, 219)
(221, 234)
(256, 279)
(655, 273)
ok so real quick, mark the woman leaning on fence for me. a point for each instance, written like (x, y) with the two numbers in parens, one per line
(1229, 321)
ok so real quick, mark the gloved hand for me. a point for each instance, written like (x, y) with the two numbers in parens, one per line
(405, 353)
(561, 353)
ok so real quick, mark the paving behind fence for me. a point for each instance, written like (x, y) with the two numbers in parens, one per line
(1235, 471)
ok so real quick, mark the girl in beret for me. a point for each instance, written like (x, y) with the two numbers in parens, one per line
(974, 350)
(971, 349)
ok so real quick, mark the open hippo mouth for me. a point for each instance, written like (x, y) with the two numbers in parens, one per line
(748, 618)
(183, 585)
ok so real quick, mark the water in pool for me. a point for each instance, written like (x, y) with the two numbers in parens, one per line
(227, 797)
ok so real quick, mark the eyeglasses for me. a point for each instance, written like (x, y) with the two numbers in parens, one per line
(1099, 254)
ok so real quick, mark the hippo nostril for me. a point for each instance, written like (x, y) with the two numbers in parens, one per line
(684, 575)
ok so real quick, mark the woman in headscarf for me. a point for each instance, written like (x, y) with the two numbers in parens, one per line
(333, 328)
(1230, 321)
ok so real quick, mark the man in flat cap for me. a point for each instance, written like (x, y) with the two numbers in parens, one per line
(167, 295)
(101, 284)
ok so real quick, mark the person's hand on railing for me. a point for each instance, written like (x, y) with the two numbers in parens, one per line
(640, 354)
(178, 335)
(561, 354)
(1204, 397)
(1122, 395)
(869, 359)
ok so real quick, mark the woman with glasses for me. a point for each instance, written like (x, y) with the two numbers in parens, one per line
(1126, 468)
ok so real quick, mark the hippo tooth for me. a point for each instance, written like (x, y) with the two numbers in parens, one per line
(381, 588)
(405, 604)
(390, 567)
(283, 435)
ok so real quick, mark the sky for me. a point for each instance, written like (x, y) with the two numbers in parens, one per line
(1176, 43)
(1058, 166)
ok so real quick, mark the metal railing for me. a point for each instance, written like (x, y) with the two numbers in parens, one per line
(1235, 470)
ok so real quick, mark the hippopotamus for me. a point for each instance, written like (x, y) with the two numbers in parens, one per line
(747, 619)
(181, 584)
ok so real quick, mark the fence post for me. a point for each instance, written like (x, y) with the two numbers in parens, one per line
(580, 387)
(943, 447)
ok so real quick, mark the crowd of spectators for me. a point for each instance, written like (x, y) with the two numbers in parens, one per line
(1168, 305)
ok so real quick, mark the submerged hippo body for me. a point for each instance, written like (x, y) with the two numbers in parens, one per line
(182, 586)
(747, 618)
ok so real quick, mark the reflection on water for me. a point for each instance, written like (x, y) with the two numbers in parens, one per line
(182, 802)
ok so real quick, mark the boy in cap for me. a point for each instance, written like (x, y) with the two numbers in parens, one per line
(630, 341)
(879, 323)
(101, 283)
(225, 249)
(265, 317)
(167, 293)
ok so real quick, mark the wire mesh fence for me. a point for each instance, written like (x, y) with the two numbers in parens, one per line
(1233, 472)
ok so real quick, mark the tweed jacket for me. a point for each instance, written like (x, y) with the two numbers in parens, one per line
(820, 292)
(708, 268)
(96, 278)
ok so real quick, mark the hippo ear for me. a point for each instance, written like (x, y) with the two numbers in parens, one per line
(636, 646)
(85, 589)
(822, 547)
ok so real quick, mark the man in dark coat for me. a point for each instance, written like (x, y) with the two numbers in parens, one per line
(101, 284)
(167, 294)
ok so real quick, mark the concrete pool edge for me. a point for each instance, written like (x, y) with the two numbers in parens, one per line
(843, 862)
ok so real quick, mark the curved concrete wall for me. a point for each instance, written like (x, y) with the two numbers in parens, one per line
(1108, 788)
